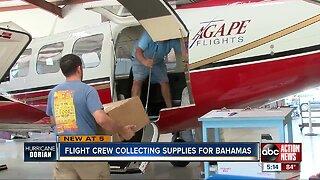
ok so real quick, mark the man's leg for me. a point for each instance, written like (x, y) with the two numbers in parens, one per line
(92, 170)
(140, 73)
(136, 88)
(166, 94)
(160, 75)
(64, 170)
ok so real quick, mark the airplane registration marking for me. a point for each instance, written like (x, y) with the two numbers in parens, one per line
(257, 43)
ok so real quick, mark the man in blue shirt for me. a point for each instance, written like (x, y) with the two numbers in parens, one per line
(75, 109)
(148, 54)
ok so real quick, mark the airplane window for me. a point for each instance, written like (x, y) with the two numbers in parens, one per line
(89, 50)
(49, 57)
(21, 68)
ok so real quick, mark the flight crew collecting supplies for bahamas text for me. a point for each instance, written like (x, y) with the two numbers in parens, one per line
(76, 109)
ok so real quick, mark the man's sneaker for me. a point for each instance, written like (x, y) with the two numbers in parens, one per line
(202, 175)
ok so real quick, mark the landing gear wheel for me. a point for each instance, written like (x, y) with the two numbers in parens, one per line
(149, 133)
(136, 138)
(179, 163)
(21, 135)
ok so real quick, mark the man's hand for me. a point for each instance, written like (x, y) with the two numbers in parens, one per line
(148, 63)
(127, 132)
(143, 60)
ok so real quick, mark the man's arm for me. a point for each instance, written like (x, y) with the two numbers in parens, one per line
(49, 111)
(106, 122)
(143, 44)
(145, 61)
(113, 127)
(176, 45)
(96, 109)
(53, 122)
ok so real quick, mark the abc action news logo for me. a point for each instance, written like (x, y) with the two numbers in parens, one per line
(281, 152)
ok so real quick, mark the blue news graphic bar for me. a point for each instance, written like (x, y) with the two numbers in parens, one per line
(153, 151)
(40, 151)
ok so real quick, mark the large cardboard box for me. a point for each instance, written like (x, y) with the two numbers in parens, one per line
(253, 169)
(126, 112)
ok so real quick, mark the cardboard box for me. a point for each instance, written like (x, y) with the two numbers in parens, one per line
(253, 169)
(126, 112)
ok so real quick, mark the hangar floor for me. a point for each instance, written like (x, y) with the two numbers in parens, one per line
(11, 154)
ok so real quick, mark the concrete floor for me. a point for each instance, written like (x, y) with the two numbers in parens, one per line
(11, 153)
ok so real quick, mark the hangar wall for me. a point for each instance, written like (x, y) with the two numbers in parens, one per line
(41, 23)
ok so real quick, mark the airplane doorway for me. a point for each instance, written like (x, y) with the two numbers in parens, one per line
(176, 69)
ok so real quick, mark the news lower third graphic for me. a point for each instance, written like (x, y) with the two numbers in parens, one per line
(275, 157)
(98, 148)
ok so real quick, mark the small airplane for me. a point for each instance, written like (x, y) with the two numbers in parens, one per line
(240, 53)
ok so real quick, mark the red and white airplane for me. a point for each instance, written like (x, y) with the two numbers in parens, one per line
(240, 53)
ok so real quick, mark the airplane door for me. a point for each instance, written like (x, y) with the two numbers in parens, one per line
(13, 41)
(162, 23)
(158, 18)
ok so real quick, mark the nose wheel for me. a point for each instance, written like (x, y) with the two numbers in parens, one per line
(149, 133)
(179, 163)
(3, 167)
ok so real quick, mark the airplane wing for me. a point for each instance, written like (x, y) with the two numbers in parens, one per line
(16, 116)
(13, 111)
(158, 18)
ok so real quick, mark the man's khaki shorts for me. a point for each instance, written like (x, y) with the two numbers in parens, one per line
(81, 170)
